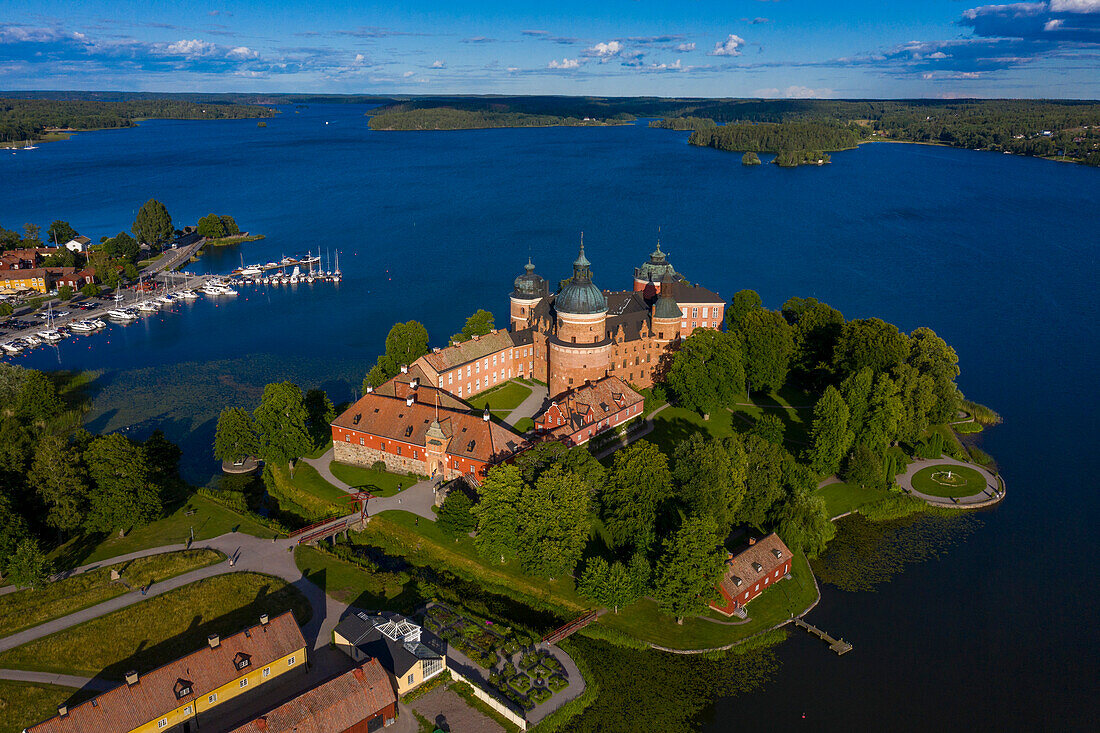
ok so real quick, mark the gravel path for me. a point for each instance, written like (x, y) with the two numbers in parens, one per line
(992, 494)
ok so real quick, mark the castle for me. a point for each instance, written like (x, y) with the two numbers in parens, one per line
(589, 346)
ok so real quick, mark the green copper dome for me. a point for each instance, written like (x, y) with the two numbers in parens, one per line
(580, 296)
(666, 307)
(528, 286)
(656, 268)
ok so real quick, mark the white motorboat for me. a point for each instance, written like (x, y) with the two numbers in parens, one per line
(98, 323)
(187, 294)
(166, 300)
(52, 335)
(148, 306)
(32, 340)
(12, 347)
(82, 326)
(120, 314)
(252, 270)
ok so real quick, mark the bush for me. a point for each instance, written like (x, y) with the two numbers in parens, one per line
(520, 683)
(982, 458)
(968, 428)
(556, 682)
(981, 413)
(91, 290)
(378, 466)
(65, 292)
(539, 695)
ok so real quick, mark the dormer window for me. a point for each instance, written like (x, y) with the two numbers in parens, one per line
(777, 552)
(241, 660)
(470, 447)
(408, 431)
(757, 567)
(182, 688)
(736, 581)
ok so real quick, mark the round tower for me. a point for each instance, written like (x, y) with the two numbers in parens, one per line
(527, 292)
(579, 349)
(647, 278)
(666, 315)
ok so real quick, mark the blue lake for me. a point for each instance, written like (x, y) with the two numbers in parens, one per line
(996, 253)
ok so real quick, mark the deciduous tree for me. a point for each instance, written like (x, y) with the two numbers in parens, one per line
(58, 480)
(612, 584)
(636, 486)
(235, 436)
(770, 427)
(28, 567)
(478, 324)
(125, 494)
(553, 516)
(691, 562)
(211, 227)
(707, 372)
(802, 523)
(743, 302)
(830, 434)
(60, 232)
(766, 344)
(455, 516)
(870, 342)
(497, 513)
(280, 422)
(763, 480)
(710, 477)
(153, 225)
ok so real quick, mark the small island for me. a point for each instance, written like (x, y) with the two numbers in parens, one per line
(750, 158)
(410, 117)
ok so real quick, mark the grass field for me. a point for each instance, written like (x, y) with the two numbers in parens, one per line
(208, 520)
(354, 585)
(964, 481)
(523, 425)
(643, 621)
(674, 424)
(379, 483)
(841, 498)
(151, 633)
(314, 497)
(23, 704)
(26, 608)
(504, 398)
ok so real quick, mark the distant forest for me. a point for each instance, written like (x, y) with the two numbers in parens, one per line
(414, 116)
(774, 137)
(28, 119)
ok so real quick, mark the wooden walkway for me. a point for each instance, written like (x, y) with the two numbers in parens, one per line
(570, 628)
(837, 645)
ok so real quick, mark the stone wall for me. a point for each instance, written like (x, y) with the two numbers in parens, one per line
(361, 455)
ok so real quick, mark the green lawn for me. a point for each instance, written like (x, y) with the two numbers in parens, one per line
(23, 704)
(379, 483)
(643, 621)
(674, 424)
(354, 585)
(26, 608)
(523, 425)
(964, 481)
(506, 397)
(307, 493)
(208, 520)
(149, 634)
(842, 497)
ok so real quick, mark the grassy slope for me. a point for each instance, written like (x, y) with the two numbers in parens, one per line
(26, 608)
(643, 621)
(379, 483)
(23, 704)
(309, 491)
(352, 584)
(842, 497)
(209, 520)
(156, 631)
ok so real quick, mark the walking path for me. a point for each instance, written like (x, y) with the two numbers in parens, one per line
(418, 498)
(61, 680)
(532, 404)
(993, 493)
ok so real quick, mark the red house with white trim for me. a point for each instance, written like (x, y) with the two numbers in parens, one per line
(749, 573)
(587, 411)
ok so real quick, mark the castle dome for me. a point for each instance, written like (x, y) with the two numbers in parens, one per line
(528, 286)
(667, 307)
(580, 296)
(655, 269)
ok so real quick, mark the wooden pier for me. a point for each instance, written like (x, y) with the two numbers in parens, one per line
(837, 645)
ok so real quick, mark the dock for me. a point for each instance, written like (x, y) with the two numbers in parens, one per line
(840, 646)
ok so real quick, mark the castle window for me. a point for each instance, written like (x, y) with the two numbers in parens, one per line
(361, 442)
(398, 450)
(574, 339)
(704, 314)
(694, 312)
(451, 378)
(661, 334)
(383, 445)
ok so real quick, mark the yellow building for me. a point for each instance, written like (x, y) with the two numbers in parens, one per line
(410, 655)
(15, 280)
(181, 696)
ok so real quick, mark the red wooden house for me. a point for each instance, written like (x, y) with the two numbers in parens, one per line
(750, 572)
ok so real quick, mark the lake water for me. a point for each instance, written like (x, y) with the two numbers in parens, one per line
(998, 254)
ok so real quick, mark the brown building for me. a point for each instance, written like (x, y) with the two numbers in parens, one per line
(582, 413)
(359, 701)
(749, 573)
(581, 333)
(25, 259)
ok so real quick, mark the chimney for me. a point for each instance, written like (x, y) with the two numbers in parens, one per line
(751, 541)
(415, 382)
(131, 677)
(261, 724)
(410, 399)
(404, 368)
(358, 674)
(369, 389)
(62, 710)
(263, 619)
(214, 641)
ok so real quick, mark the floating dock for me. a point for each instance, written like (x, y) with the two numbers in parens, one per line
(837, 645)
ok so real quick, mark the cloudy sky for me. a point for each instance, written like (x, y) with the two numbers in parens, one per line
(763, 48)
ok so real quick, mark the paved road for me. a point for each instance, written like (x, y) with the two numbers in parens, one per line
(418, 498)
(990, 495)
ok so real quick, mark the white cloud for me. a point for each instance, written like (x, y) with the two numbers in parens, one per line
(564, 64)
(730, 47)
(437, 64)
(1075, 6)
(674, 66)
(512, 68)
(937, 55)
(686, 47)
(190, 49)
(606, 50)
(242, 52)
(407, 74)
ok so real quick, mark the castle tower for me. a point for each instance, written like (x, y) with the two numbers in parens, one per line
(666, 315)
(647, 278)
(527, 292)
(579, 350)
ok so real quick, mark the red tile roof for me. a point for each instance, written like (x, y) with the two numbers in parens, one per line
(391, 417)
(588, 404)
(740, 566)
(468, 351)
(331, 707)
(154, 694)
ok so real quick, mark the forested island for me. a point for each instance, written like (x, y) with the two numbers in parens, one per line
(409, 117)
(796, 143)
(32, 120)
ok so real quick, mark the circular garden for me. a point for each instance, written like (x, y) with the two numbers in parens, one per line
(949, 481)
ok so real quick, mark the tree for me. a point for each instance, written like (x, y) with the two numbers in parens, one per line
(830, 436)
(916, 392)
(576, 460)
(56, 477)
(65, 292)
(37, 400)
(61, 258)
(856, 390)
(863, 467)
(90, 290)
(763, 480)
(816, 328)
(870, 342)
(707, 372)
(280, 422)
(553, 529)
(28, 567)
(122, 247)
(803, 524)
(710, 477)
(211, 227)
(13, 530)
(60, 232)
(637, 484)
(613, 584)
(230, 225)
(767, 345)
(497, 513)
(153, 225)
(744, 301)
(321, 413)
(5, 309)
(770, 427)
(884, 415)
(692, 561)
(405, 343)
(124, 494)
(931, 356)
(235, 435)
(31, 234)
(478, 324)
(455, 516)
(164, 455)
(750, 158)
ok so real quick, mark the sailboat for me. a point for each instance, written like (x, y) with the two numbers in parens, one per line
(336, 276)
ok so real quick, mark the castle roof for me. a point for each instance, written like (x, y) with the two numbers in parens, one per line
(656, 268)
(580, 296)
(529, 285)
(666, 307)
(469, 351)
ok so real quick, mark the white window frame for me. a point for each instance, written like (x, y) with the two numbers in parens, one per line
(212, 697)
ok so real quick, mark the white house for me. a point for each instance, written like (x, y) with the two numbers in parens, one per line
(78, 244)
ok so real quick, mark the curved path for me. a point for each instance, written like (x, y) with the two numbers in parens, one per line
(418, 498)
(992, 494)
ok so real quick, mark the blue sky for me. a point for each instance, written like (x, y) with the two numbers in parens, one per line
(760, 48)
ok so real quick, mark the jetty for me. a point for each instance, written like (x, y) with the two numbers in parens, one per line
(570, 628)
(837, 645)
